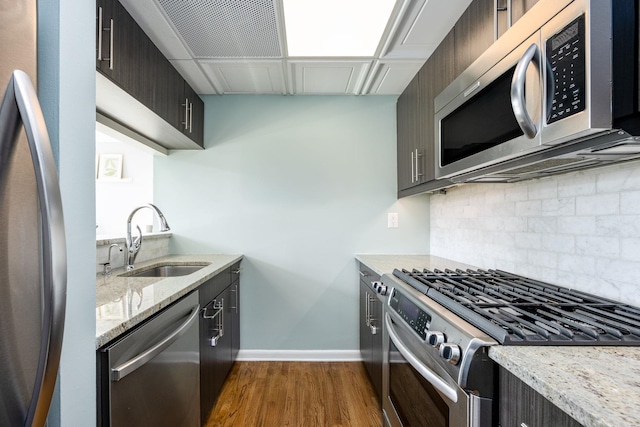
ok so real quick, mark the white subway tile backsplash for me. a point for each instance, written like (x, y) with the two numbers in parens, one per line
(580, 230)
(630, 202)
(618, 226)
(561, 243)
(578, 225)
(598, 246)
(559, 207)
(542, 224)
(630, 249)
(614, 179)
(528, 240)
(577, 184)
(599, 204)
(516, 192)
(529, 208)
(542, 258)
(546, 189)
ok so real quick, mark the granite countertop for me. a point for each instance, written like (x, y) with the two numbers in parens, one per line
(123, 302)
(597, 386)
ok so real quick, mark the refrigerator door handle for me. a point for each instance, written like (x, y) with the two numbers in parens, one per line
(20, 105)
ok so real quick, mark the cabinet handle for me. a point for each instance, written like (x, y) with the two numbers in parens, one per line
(213, 341)
(418, 174)
(366, 309)
(101, 29)
(497, 9)
(235, 291)
(363, 274)
(100, 33)
(413, 169)
(190, 116)
(111, 45)
(186, 114)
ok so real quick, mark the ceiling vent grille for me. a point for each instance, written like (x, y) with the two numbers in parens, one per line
(226, 28)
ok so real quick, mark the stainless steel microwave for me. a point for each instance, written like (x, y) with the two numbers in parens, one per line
(558, 91)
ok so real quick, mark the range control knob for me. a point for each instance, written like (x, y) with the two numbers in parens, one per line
(435, 338)
(379, 288)
(450, 353)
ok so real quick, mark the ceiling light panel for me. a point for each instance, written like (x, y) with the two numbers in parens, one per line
(335, 28)
(226, 28)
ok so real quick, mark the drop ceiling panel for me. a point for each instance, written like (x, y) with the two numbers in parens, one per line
(331, 78)
(264, 77)
(192, 72)
(422, 26)
(155, 23)
(226, 28)
(391, 78)
(238, 46)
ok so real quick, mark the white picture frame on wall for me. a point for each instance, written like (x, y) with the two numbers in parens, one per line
(110, 167)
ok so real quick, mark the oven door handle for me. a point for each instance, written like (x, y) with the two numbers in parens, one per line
(433, 379)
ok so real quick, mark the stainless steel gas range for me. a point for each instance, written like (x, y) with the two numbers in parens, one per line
(439, 326)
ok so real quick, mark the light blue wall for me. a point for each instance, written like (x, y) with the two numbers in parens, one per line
(299, 185)
(66, 74)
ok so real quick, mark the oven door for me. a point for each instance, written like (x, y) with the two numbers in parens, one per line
(416, 391)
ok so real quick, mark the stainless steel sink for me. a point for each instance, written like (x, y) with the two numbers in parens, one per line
(165, 271)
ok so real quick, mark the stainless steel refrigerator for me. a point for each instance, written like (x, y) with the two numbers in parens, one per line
(33, 269)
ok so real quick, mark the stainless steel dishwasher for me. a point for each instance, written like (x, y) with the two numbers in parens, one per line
(151, 376)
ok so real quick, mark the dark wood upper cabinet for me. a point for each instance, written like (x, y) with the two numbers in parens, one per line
(128, 58)
(520, 7)
(415, 121)
(474, 33)
(408, 116)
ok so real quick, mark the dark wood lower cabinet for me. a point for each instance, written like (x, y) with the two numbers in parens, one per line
(522, 406)
(219, 335)
(371, 329)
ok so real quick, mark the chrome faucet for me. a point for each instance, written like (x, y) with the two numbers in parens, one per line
(106, 267)
(133, 246)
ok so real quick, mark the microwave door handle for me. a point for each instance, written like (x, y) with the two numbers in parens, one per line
(550, 87)
(518, 103)
(426, 373)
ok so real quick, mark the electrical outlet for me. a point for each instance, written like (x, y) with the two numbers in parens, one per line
(392, 220)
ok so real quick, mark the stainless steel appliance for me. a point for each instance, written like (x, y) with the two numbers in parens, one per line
(558, 92)
(436, 368)
(151, 376)
(33, 253)
(440, 325)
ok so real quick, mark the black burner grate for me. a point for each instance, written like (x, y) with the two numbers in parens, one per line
(516, 310)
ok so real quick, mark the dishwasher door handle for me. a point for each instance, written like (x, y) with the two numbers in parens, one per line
(136, 362)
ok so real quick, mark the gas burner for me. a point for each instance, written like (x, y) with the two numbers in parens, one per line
(516, 310)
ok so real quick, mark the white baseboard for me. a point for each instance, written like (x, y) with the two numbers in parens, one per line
(300, 355)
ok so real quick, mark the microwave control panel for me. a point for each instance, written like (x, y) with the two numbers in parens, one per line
(566, 71)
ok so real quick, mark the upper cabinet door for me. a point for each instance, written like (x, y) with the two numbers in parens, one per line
(520, 7)
(125, 53)
(474, 33)
(408, 127)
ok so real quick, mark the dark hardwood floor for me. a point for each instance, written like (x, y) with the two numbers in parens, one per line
(309, 394)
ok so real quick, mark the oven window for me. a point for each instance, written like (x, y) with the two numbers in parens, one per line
(483, 122)
(414, 399)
